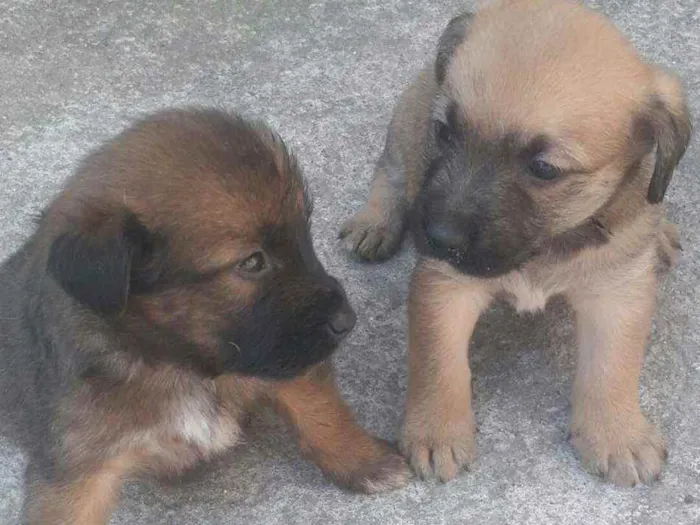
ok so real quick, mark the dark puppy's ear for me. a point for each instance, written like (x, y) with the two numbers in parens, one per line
(100, 265)
(453, 35)
(669, 120)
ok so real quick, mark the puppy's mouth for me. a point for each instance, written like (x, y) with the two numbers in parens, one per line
(475, 261)
(277, 347)
(278, 364)
(474, 264)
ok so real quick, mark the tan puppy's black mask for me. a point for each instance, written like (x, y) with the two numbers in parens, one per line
(488, 195)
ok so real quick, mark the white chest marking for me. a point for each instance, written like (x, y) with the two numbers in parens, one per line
(197, 421)
(524, 296)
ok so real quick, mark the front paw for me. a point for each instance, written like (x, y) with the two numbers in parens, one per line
(383, 470)
(440, 451)
(624, 453)
(370, 235)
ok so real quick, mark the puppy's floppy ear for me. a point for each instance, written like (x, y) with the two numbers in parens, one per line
(104, 259)
(669, 120)
(453, 35)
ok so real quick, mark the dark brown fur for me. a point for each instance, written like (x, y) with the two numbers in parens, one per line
(171, 286)
(532, 158)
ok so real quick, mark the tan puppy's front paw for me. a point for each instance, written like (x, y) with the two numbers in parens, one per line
(624, 455)
(371, 236)
(441, 454)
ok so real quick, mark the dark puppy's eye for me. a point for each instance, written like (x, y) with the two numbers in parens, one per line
(544, 170)
(253, 264)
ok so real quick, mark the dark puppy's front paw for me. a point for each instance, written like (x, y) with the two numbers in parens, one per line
(371, 236)
(383, 471)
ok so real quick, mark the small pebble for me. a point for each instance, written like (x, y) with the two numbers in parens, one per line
(689, 499)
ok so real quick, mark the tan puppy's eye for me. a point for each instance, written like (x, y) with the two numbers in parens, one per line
(544, 170)
(443, 131)
(253, 264)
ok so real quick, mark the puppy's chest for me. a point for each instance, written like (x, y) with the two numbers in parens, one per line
(528, 294)
(197, 420)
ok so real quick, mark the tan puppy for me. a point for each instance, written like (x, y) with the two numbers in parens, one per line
(535, 153)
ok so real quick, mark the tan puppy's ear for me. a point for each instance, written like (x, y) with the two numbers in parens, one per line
(670, 122)
(451, 38)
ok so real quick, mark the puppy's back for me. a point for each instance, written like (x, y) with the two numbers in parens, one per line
(20, 399)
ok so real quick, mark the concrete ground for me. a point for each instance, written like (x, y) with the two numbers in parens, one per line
(326, 75)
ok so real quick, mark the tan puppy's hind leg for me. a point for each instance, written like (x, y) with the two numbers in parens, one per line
(608, 430)
(438, 429)
(374, 233)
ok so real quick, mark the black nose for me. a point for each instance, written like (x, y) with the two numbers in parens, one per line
(343, 321)
(445, 235)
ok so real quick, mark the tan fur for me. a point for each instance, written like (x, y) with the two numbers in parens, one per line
(612, 295)
(443, 310)
(585, 94)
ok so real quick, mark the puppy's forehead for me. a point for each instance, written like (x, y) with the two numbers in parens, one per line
(547, 67)
(251, 191)
(211, 179)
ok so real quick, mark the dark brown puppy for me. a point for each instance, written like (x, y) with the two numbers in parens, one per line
(171, 285)
(535, 152)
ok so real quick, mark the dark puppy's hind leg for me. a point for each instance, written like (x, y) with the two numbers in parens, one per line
(81, 497)
(375, 231)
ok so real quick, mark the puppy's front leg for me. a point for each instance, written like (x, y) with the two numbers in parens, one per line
(328, 433)
(608, 429)
(438, 429)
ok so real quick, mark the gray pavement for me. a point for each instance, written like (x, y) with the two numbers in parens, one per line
(326, 75)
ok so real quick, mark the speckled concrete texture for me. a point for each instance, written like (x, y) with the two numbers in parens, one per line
(326, 74)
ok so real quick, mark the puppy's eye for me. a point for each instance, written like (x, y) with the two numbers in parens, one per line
(254, 264)
(544, 170)
(443, 131)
